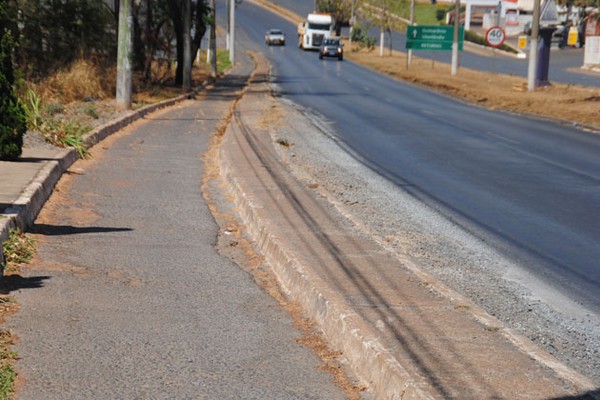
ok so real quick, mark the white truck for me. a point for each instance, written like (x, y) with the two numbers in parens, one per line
(312, 31)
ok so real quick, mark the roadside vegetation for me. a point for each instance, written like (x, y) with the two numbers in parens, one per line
(58, 59)
(18, 249)
(68, 104)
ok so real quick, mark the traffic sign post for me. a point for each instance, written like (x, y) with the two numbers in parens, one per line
(495, 36)
(432, 38)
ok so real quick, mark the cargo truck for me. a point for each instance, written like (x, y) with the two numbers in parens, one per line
(312, 31)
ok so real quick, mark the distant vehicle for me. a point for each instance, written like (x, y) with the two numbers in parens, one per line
(275, 36)
(332, 47)
(312, 31)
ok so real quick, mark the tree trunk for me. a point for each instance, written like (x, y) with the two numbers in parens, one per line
(187, 47)
(200, 30)
(178, 27)
(213, 40)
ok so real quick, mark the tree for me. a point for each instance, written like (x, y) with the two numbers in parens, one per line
(200, 14)
(12, 116)
(379, 13)
(341, 11)
(52, 34)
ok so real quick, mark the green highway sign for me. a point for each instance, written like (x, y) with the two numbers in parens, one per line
(432, 37)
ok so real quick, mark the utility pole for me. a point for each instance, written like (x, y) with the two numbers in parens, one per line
(187, 47)
(533, 47)
(232, 31)
(454, 68)
(382, 23)
(381, 40)
(412, 22)
(213, 40)
(352, 20)
(124, 55)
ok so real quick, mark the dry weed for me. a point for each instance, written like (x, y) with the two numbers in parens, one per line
(83, 79)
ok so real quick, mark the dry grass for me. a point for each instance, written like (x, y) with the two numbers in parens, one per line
(88, 79)
(82, 79)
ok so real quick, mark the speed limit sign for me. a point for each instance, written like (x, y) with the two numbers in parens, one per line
(495, 36)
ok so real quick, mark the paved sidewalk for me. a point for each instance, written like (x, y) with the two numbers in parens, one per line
(27, 183)
(128, 297)
(403, 333)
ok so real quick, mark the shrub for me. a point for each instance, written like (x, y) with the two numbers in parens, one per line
(12, 117)
(56, 130)
(19, 248)
(440, 13)
(361, 36)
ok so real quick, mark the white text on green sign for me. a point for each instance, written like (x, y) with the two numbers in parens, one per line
(432, 37)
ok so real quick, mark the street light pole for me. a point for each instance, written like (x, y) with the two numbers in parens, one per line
(412, 22)
(232, 32)
(454, 68)
(213, 40)
(533, 47)
(352, 21)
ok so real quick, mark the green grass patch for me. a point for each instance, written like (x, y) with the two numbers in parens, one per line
(428, 14)
(7, 381)
(67, 133)
(60, 132)
(7, 371)
(18, 249)
(425, 13)
(223, 61)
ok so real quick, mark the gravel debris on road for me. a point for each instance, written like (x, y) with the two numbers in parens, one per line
(416, 233)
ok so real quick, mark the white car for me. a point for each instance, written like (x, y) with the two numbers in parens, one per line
(275, 36)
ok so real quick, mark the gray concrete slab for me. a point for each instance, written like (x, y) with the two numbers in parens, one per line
(133, 300)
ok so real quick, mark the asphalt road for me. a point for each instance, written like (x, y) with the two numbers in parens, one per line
(129, 298)
(530, 188)
(564, 64)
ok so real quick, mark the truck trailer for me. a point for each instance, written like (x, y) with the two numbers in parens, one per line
(312, 31)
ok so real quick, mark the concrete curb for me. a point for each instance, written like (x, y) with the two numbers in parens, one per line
(26, 208)
(368, 358)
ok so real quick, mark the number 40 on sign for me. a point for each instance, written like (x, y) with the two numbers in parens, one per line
(495, 36)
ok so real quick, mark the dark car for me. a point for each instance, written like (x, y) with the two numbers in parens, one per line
(275, 36)
(331, 47)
